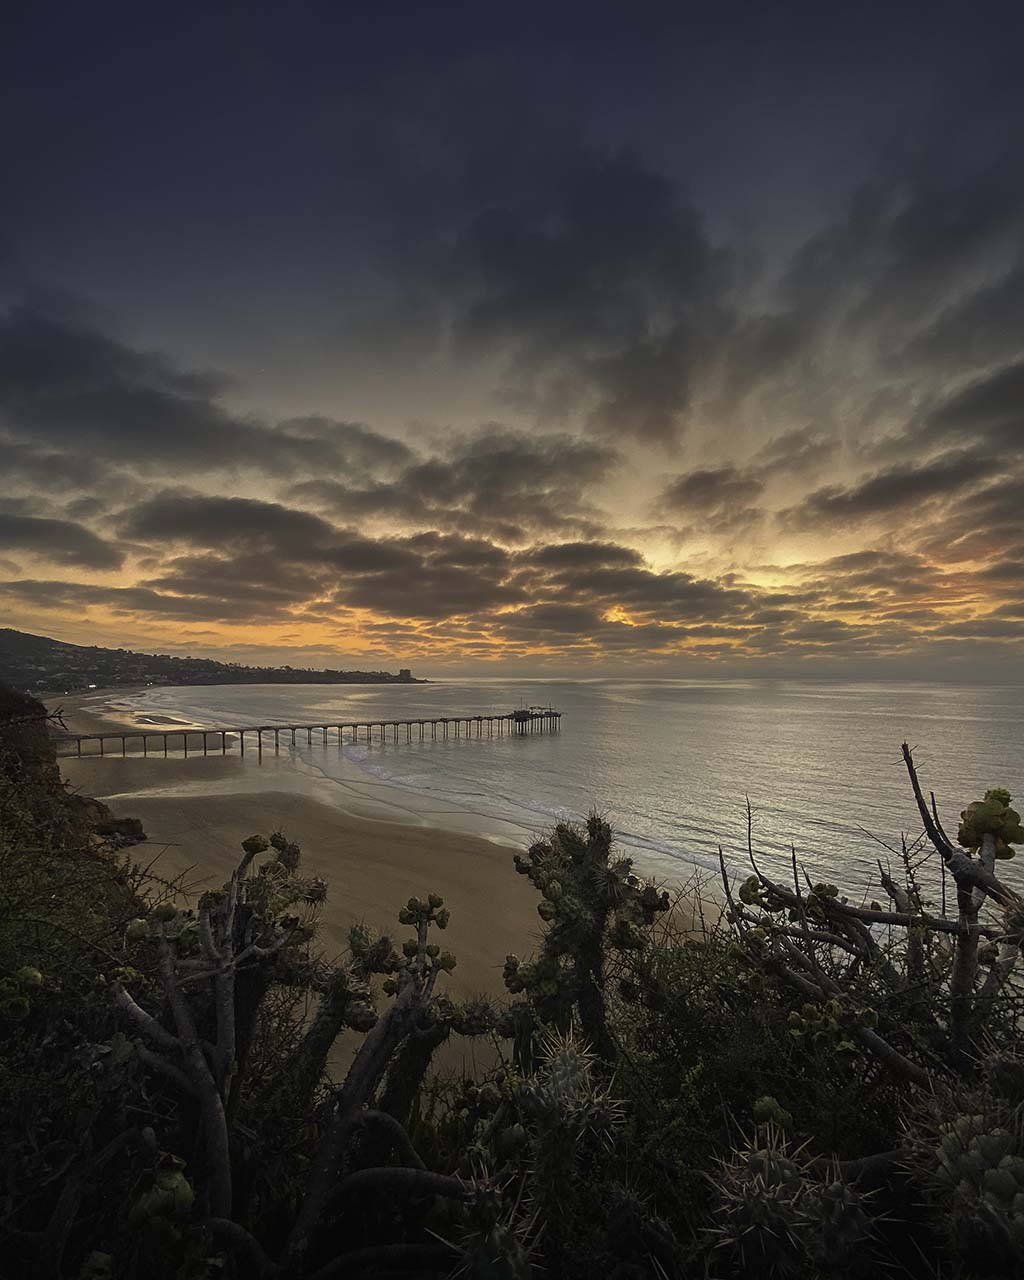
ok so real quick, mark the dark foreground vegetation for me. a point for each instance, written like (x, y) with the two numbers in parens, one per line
(44, 665)
(803, 1086)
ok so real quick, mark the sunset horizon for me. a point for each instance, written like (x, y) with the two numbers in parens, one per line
(512, 640)
(477, 374)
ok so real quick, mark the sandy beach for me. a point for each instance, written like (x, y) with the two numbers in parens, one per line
(196, 812)
(376, 845)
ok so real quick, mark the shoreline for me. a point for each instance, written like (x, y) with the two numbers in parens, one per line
(373, 849)
(375, 844)
(347, 788)
(344, 785)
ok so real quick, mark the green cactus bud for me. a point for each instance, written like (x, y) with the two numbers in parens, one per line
(164, 1195)
(14, 1008)
(361, 1016)
(994, 1146)
(255, 844)
(1001, 1184)
(410, 948)
(446, 961)
(433, 951)
(414, 905)
(546, 910)
(442, 918)
(512, 1138)
(97, 1266)
(29, 977)
(435, 901)
(165, 912)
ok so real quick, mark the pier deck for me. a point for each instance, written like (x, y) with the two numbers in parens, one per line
(190, 740)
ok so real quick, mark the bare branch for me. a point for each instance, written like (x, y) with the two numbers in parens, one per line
(931, 825)
(238, 1240)
(143, 1020)
(165, 1068)
(412, 1181)
(419, 1256)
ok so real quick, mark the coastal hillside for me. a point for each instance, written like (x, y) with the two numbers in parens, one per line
(44, 665)
(664, 1089)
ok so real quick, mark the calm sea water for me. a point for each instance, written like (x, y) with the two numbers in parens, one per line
(671, 762)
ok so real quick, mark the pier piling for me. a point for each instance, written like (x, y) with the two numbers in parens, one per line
(521, 722)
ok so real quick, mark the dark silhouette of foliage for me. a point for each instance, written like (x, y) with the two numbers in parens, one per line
(784, 1083)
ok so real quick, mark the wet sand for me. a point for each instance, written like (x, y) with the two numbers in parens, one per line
(196, 812)
(375, 845)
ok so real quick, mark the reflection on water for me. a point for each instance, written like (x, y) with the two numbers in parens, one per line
(669, 762)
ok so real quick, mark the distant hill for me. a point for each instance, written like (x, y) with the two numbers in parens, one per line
(43, 665)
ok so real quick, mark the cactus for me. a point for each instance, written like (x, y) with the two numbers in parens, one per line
(978, 1180)
(839, 1233)
(991, 816)
(592, 904)
(759, 1192)
(779, 1218)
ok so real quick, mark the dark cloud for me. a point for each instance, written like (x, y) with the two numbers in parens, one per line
(129, 602)
(61, 541)
(886, 493)
(982, 328)
(552, 620)
(582, 555)
(990, 409)
(984, 523)
(302, 561)
(669, 595)
(503, 483)
(715, 489)
(204, 521)
(597, 295)
(68, 388)
(1004, 571)
(721, 497)
(793, 452)
(42, 468)
(449, 576)
(586, 293)
(870, 573)
(232, 579)
(360, 451)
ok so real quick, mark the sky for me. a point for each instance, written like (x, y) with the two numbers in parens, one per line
(572, 339)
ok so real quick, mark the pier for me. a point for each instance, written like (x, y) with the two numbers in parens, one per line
(193, 741)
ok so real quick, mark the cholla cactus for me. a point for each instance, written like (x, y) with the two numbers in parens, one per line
(591, 903)
(838, 1231)
(640, 1244)
(978, 1180)
(17, 991)
(205, 957)
(547, 1132)
(495, 1253)
(778, 1218)
(759, 1191)
(564, 1093)
(564, 1108)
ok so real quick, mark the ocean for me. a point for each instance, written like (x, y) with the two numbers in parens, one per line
(670, 763)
